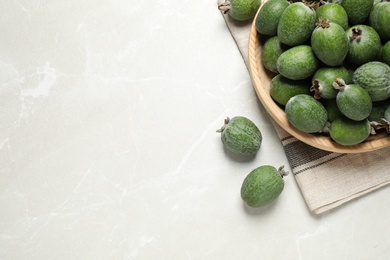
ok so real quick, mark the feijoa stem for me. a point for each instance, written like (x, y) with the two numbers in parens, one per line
(282, 172)
(226, 121)
(356, 34)
(339, 84)
(323, 23)
(224, 7)
(316, 88)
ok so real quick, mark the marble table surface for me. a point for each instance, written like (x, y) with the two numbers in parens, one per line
(109, 150)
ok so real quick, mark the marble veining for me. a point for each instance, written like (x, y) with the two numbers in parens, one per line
(109, 150)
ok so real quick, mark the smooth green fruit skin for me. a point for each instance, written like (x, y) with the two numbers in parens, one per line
(269, 15)
(271, 51)
(378, 110)
(374, 77)
(334, 13)
(348, 132)
(296, 24)
(364, 49)
(241, 136)
(380, 19)
(243, 10)
(358, 10)
(354, 102)
(330, 44)
(386, 114)
(331, 108)
(325, 76)
(386, 53)
(297, 63)
(282, 89)
(306, 113)
(262, 186)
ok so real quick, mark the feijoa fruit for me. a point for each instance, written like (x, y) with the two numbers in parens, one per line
(357, 10)
(271, 51)
(269, 15)
(329, 43)
(386, 53)
(282, 88)
(240, 10)
(306, 113)
(364, 44)
(380, 19)
(240, 136)
(262, 186)
(334, 13)
(374, 77)
(323, 78)
(296, 24)
(352, 100)
(347, 132)
(298, 62)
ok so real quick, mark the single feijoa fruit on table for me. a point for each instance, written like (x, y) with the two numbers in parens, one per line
(296, 24)
(346, 131)
(357, 10)
(329, 43)
(241, 136)
(240, 10)
(306, 113)
(364, 44)
(334, 13)
(298, 62)
(269, 15)
(352, 100)
(374, 77)
(380, 19)
(262, 186)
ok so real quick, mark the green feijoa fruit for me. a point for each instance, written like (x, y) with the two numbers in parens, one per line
(271, 51)
(306, 113)
(364, 44)
(331, 108)
(352, 100)
(380, 19)
(267, 19)
(241, 136)
(262, 186)
(374, 77)
(297, 63)
(334, 13)
(240, 10)
(329, 43)
(323, 78)
(386, 114)
(348, 132)
(378, 110)
(386, 53)
(282, 89)
(296, 24)
(357, 10)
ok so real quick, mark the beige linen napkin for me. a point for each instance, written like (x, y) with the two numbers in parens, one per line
(326, 179)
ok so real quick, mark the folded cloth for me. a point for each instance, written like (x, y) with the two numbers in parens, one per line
(326, 179)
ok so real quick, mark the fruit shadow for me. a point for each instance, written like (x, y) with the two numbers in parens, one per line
(261, 210)
(239, 157)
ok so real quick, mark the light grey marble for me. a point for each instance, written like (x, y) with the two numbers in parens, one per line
(108, 149)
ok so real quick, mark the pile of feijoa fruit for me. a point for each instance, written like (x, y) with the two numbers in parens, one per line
(331, 64)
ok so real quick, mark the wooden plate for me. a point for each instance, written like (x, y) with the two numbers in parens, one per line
(261, 81)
